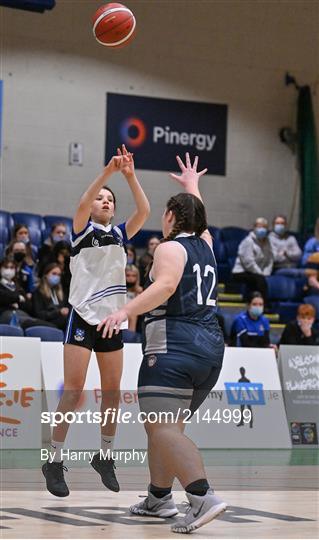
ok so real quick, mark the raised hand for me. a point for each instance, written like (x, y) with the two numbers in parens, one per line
(127, 164)
(190, 176)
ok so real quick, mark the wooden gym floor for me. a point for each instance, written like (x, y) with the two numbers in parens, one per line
(271, 494)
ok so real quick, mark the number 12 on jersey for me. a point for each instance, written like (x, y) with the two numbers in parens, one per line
(207, 271)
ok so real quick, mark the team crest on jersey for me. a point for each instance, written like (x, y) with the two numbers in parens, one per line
(95, 242)
(79, 334)
(151, 360)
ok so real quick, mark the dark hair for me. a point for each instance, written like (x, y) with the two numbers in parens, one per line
(279, 216)
(6, 261)
(190, 215)
(112, 192)
(252, 295)
(57, 224)
(19, 226)
(49, 267)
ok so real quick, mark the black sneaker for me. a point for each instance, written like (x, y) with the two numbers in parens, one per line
(105, 468)
(54, 476)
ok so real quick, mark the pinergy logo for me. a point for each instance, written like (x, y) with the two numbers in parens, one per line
(134, 132)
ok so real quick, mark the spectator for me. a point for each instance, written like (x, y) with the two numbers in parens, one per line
(131, 254)
(15, 307)
(311, 249)
(46, 256)
(254, 259)
(48, 301)
(21, 234)
(61, 255)
(147, 259)
(24, 272)
(285, 249)
(250, 328)
(133, 289)
(313, 282)
(301, 331)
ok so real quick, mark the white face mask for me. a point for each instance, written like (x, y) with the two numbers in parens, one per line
(8, 273)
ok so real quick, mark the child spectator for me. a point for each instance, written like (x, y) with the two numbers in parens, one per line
(21, 234)
(48, 301)
(301, 331)
(24, 272)
(46, 256)
(131, 254)
(133, 289)
(311, 249)
(147, 259)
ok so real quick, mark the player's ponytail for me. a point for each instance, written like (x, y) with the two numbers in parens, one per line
(190, 215)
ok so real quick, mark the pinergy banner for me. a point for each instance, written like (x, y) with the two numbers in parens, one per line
(157, 129)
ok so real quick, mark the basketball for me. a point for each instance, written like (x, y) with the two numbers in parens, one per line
(114, 25)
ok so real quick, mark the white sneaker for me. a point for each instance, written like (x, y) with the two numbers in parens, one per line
(153, 506)
(201, 510)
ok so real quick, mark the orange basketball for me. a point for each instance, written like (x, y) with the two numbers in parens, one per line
(113, 25)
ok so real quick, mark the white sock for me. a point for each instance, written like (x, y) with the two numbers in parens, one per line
(107, 442)
(56, 447)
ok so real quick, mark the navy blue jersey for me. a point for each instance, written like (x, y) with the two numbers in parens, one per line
(186, 323)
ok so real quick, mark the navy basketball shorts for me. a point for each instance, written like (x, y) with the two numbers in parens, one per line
(175, 382)
(83, 334)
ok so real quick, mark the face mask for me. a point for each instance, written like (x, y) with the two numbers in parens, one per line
(25, 240)
(256, 311)
(130, 260)
(53, 280)
(261, 232)
(57, 238)
(8, 273)
(279, 229)
(130, 285)
(18, 256)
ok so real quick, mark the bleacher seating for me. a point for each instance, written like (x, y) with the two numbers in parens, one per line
(45, 333)
(34, 223)
(8, 330)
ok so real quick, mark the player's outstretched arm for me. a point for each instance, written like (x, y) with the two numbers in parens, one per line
(136, 221)
(189, 179)
(82, 214)
(167, 270)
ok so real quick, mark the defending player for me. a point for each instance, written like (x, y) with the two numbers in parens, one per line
(183, 352)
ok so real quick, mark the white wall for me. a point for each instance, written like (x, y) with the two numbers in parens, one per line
(235, 52)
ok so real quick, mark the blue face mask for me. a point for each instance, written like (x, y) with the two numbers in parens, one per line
(261, 232)
(25, 240)
(280, 229)
(53, 280)
(130, 260)
(57, 238)
(256, 311)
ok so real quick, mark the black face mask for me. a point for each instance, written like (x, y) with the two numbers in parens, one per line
(130, 285)
(18, 256)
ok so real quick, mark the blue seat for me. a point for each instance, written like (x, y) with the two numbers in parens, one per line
(35, 224)
(287, 311)
(51, 220)
(314, 300)
(45, 333)
(141, 239)
(2, 250)
(8, 330)
(231, 237)
(282, 288)
(6, 223)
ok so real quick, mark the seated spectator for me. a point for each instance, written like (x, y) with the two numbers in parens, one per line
(285, 249)
(147, 259)
(313, 282)
(311, 249)
(254, 259)
(250, 328)
(131, 254)
(21, 234)
(48, 300)
(46, 256)
(61, 255)
(133, 289)
(301, 331)
(24, 272)
(15, 306)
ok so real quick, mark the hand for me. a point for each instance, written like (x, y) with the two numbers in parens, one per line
(114, 165)
(64, 311)
(306, 327)
(190, 175)
(127, 165)
(112, 323)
